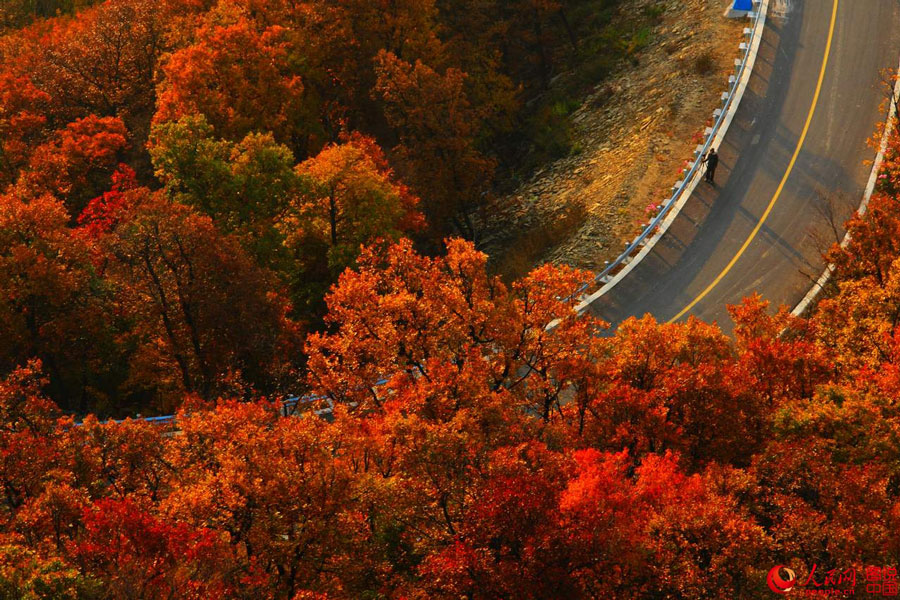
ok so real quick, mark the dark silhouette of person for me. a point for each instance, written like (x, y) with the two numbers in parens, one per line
(712, 161)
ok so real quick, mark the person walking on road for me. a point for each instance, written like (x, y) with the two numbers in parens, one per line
(712, 161)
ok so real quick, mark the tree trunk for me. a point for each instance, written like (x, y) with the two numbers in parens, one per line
(573, 39)
(332, 215)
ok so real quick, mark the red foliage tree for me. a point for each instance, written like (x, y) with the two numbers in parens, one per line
(138, 555)
(104, 212)
(77, 163)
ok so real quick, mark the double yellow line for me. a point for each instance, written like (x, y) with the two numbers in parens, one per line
(787, 173)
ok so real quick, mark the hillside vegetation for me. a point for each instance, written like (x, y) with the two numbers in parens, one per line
(182, 180)
(499, 458)
(182, 183)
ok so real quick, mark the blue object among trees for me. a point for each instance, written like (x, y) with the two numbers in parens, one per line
(743, 5)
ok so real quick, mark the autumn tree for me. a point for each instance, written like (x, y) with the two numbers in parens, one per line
(201, 312)
(438, 130)
(29, 453)
(246, 187)
(76, 164)
(23, 119)
(334, 45)
(102, 62)
(781, 355)
(121, 460)
(53, 305)
(506, 542)
(353, 198)
(859, 323)
(238, 77)
(138, 555)
(278, 487)
(104, 212)
(826, 482)
(872, 245)
(27, 574)
(401, 315)
(546, 524)
(348, 196)
(39, 509)
(671, 390)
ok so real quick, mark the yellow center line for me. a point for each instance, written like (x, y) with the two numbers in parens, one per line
(787, 173)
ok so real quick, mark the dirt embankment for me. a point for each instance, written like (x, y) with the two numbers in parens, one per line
(633, 134)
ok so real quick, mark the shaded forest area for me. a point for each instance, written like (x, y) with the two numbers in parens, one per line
(182, 180)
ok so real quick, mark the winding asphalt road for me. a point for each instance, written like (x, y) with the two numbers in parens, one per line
(795, 151)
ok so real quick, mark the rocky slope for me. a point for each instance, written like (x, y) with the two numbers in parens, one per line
(633, 134)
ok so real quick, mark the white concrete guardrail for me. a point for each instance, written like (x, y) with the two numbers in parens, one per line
(615, 271)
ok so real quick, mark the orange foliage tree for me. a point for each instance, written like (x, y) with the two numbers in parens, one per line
(238, 77)
(23, 119)
(102, 62)
(51, 303)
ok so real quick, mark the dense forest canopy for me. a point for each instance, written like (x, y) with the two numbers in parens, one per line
(182, 180)
(207, 204)
(499, 458)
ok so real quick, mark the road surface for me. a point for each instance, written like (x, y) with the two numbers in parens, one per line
(797, 146)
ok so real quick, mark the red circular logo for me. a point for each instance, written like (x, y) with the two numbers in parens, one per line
(779, 584)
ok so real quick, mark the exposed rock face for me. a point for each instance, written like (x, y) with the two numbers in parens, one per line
(635, 133)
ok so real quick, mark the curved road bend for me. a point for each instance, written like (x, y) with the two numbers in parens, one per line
(693, 269)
